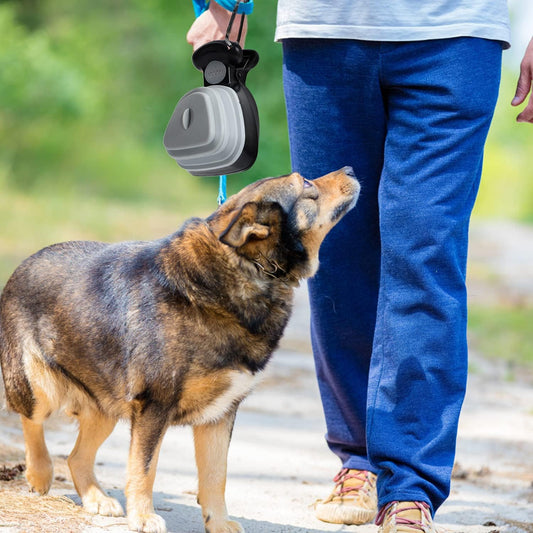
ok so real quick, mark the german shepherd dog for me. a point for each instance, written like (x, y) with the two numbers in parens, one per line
(171, 331)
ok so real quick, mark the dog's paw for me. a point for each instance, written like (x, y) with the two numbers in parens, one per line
(147, 523)
(103, 505)
(40, 477)
(226, 526)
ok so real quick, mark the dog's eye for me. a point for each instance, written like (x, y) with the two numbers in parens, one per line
(310, 192)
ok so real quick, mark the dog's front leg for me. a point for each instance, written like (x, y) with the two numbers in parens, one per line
(148, 425)
(211, 443)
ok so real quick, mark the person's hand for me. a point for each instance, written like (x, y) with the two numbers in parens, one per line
(523, 87)
(212, 24)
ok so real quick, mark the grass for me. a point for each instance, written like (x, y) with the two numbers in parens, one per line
(502, 332)
(31, 221)
(506, 189)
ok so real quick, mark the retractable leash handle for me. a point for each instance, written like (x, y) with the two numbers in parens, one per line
(214, 129)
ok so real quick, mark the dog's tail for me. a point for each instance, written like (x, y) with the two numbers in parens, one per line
(18, 392)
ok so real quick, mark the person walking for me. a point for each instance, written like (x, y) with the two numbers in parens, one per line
(404, 92)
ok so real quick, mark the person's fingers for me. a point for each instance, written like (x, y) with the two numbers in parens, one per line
(522, 87)
(204, 29)
(526, 115)
(212, 26)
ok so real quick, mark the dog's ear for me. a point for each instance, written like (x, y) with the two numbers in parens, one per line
(244, 227)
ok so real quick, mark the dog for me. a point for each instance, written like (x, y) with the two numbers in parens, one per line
(164, 332)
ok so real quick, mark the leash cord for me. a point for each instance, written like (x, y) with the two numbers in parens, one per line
(230, 23)
(222, 189)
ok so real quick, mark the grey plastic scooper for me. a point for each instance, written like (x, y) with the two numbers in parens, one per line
(215, 129)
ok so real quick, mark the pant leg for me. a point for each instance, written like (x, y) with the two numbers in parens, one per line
(440, 96)
(336, 117)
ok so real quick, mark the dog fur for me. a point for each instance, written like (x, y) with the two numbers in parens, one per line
(172, 331)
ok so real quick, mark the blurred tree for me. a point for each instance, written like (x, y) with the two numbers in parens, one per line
(28, 12)
(87, 88)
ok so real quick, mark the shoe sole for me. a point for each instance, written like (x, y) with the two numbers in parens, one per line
(339, 514)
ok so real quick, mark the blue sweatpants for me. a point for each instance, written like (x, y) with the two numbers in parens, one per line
(388, 304)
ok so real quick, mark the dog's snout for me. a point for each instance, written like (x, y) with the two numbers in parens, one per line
(351, 186)
(349, 172)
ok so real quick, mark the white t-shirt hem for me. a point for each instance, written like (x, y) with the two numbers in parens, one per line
(368, 33)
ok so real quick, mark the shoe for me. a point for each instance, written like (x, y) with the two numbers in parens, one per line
(353, 500)
(405, 517)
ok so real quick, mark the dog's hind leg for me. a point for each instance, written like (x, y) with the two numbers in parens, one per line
(39, 469)
(94, 430)
(211, 443)
(148, 425)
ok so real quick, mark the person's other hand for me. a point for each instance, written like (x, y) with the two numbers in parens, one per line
(212, 24)
(523, 87)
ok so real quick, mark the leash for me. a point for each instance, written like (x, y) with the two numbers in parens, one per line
(222, 194)
(199, 7)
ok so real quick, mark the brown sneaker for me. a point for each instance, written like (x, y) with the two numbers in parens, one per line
(353, 500)
(405, 517)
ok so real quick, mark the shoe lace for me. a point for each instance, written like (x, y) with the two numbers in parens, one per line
(418, 525)
(345, 474)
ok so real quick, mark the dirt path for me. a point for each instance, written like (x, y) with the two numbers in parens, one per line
(279, 464)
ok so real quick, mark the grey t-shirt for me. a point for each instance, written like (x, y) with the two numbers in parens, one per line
(393, 20)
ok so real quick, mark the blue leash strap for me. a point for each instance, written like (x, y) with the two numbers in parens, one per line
(244, 8)
(199, 6)
(221, 189)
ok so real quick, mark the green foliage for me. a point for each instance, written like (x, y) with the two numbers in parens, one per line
(507, 186)
(502, 332)
(87, 88)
